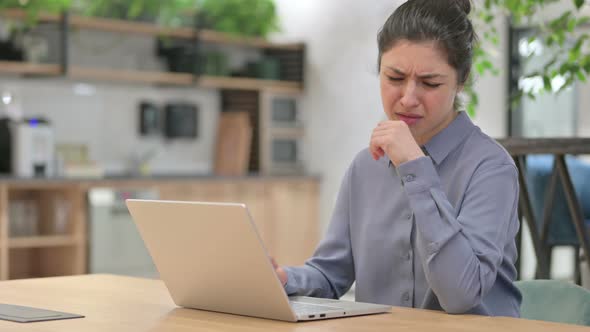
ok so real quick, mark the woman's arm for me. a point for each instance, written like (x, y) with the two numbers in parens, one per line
(461, 255)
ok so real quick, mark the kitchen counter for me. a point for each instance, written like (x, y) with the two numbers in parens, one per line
(138, 180)
(158, 177)
(284, 208)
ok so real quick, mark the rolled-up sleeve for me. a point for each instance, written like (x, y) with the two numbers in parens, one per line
(462, 247)
(329, 273)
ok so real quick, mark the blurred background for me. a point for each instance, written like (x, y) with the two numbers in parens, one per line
(257, 101)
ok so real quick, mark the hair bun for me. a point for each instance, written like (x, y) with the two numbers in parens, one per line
(465, 5)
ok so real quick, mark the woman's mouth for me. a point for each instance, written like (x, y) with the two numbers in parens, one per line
(409, 119)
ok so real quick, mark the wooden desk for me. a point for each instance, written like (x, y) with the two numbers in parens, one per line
(115, 303)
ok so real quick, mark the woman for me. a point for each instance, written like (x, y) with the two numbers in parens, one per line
(427, 215)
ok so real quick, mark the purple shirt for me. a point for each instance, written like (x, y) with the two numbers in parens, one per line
(437, 232)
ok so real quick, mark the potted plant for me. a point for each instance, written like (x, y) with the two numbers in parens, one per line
(238, 17)
(32, 8)
(172, 13)
(560, 35)
(15, 43)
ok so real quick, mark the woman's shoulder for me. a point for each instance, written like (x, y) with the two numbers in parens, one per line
(487, 149)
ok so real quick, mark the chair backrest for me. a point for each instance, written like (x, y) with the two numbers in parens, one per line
(538, 172)
(554, 301)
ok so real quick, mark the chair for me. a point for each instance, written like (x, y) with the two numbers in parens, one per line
(561, 228)
(554, 301)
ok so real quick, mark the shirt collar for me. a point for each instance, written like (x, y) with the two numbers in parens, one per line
(439, 146)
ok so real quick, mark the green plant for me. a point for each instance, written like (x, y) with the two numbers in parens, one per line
(171, 13)
(562, 39)
(34, 7)
(239, 17)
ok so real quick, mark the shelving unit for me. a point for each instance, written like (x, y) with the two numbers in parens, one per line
(43, 241)
(25, 68)
(19, 14)
(224, 38)
(292, 67)
(234, 83)
(289, 55)
(121, 26)
(131, 76)
(55, 240)
(281, 126)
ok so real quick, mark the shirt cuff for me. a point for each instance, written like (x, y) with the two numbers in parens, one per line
(290, 288)
(418, 175)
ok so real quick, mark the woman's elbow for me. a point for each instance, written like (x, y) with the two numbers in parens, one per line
(460, 302)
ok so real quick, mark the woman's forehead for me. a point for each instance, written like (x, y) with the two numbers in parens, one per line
(412, 56)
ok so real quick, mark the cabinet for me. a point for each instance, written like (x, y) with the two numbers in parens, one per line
(42, 231)
(285, 211)
(281, 131)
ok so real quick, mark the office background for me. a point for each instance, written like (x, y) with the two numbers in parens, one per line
(339, 105)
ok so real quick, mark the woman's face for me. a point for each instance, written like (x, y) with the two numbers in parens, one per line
(418, 87)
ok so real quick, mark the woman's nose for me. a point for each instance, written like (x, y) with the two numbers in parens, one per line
(409, 98)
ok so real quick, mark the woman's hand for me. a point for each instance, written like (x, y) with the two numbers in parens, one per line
(394, 139)
(280, 272)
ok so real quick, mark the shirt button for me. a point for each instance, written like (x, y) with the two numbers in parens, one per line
(409, 216)
(409, 256)
(406, 297)
(409, 178)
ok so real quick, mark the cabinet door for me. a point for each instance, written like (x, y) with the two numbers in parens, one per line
(254, 195)
(285, 212)
(251, 193)
(294, 214)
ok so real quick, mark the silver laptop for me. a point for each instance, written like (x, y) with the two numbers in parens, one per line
(210, 257)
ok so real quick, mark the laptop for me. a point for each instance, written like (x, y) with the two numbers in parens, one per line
(211, 257)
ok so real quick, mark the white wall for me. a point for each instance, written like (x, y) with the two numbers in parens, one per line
(104, 115)
(341, 100)
(107, 121)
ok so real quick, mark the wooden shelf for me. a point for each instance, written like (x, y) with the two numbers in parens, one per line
(185, 79)
(105, 24)
(150, 29)
(130, 76)
(150, 77)
(29, 68)
(20, 14)
(153, 77)
(42, 241)
(238, 83)
(225, 38)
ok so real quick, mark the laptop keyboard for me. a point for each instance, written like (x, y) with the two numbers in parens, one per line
(307, 308)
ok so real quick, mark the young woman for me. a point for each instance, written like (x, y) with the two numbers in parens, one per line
(426, 216)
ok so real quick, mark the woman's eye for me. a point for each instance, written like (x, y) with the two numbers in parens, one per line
(396, 79)
(432, 85)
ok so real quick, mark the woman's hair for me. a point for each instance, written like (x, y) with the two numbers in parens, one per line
(442, 21)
